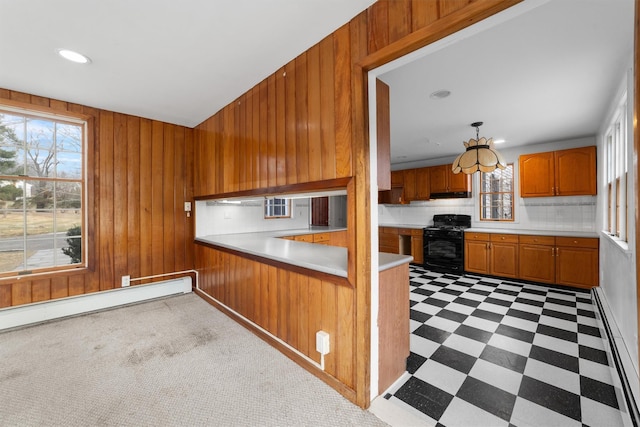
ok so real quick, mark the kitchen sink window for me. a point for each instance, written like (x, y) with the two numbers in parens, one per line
(42, 180)
(616, 171)
(277, 208)
(496, 195)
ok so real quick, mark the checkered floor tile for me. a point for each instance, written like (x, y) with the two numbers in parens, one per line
(490, 352)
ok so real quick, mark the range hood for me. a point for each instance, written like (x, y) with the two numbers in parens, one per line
(451, 195)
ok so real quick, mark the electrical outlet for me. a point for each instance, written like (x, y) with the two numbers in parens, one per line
(322, 342)
(126, 281)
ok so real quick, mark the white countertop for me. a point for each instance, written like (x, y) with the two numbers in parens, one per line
(558, 233)
(416, 226)
(324, 258)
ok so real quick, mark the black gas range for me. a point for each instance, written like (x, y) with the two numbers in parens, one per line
(444, 243)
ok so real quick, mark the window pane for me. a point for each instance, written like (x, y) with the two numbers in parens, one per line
(496, 195)
(68, 195)
(41, 252)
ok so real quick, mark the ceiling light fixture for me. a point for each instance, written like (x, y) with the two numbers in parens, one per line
(440, 94)
(479, 155)
(74, 56)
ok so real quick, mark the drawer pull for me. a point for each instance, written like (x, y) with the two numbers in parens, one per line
(575, 241)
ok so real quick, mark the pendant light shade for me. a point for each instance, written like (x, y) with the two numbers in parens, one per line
(479, 155)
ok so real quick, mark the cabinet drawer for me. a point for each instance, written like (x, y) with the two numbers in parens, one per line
(577, 242)
(537, 240)
(483, 237)
(405, 231)
(506, 238)
(417, 231)
(388, 230)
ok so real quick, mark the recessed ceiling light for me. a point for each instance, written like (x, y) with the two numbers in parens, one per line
(74, 56)
(440, 94)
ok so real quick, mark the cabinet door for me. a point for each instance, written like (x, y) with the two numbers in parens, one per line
(476, 256)
(504, 259)
(423, 184)
(397, 178)
(458, 181)
(438, 176)
(537, 263)
(388, 240)
(417, 248)
(575, 171)
(577, 267)
(537, 175)
(409, 184)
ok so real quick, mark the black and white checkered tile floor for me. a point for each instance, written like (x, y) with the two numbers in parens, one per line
(490, 352)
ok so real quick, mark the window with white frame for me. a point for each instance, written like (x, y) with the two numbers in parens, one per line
(496, 195)
(277, 208)
(42, 179)
(616, 146)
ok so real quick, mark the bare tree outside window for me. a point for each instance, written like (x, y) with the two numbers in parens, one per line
(41, 187)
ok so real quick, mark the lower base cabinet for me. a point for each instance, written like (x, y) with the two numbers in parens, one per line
(571, 261)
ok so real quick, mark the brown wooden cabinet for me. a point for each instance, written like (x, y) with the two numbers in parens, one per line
(443, 180)
(417, 246)
(577, 261)
(569, 172)
(476, 253)
(409, 185)
(571, 261)
(388, 240)
(503, 260)
(537, 260)
(423, 184)
(406, 241)
(489, 253)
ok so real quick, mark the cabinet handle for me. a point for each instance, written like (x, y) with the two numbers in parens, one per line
(575, 241)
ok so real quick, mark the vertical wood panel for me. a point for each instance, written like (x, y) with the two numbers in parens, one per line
(346, 324)
(157, 206)
(59, 287)
(146, 198)
(306, 340)
(281, 146)
(5, 290)
(329, 321)
(21, 293)
(450, 6)
(168, 198)
(273, 316)
(243, 154)
(255, 139)
(399, 16)
(263, 155)
(314, 116)
(76, 285)
(40, 290)
(423, 13)
(315, 312)
(291, 164)
(180, 191)
(327, 109)
(120, 193)
(301, 119)
(106, 249)
(378, 17)
(272, 137)
(343, 136)
(133, 196)
(228, 156)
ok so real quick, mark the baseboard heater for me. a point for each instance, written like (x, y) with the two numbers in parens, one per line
(621, 359)
(28, 314)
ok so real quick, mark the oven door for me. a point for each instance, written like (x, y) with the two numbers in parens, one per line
(444, 251)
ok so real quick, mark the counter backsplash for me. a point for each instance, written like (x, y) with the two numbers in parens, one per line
(545, 213)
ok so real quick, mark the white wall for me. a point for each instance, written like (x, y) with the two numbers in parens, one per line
(576, 214)
(617, 259)
(248, 217)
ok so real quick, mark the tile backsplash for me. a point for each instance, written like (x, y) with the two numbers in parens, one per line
(575, 213)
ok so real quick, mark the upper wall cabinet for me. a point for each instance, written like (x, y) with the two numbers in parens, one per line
(569, 172)
(443, 180)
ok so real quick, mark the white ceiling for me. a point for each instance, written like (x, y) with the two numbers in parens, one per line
(547, 74)
(174, 61)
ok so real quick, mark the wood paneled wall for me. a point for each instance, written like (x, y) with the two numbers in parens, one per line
(307, 122)
(139, 176)
(290, 305)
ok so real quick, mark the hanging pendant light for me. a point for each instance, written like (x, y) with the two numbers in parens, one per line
(479, 156)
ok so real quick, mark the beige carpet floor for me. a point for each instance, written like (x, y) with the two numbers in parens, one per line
(171, 362)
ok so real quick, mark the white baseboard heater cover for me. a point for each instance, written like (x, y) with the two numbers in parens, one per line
(13, 317)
